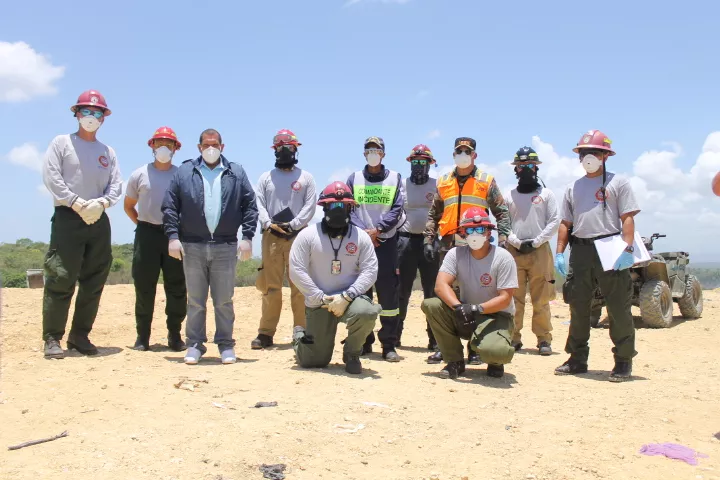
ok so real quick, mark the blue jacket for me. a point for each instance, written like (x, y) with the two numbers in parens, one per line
(184, 205)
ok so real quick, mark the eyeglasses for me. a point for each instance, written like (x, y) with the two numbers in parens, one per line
(86, 112)
(418, 161)
(373, 150)
(336, 205)
(472, 230)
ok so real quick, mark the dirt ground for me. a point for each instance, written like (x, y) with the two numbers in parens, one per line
(126, 419)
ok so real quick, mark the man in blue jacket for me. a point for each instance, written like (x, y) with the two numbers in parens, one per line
(208, 200)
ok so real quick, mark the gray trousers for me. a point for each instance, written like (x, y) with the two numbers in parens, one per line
(210, 265)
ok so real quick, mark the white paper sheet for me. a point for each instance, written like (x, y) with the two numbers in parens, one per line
(610, 248)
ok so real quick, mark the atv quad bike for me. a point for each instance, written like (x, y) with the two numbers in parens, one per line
(657, 283)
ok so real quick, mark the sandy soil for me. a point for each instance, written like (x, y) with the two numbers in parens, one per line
(126, 419)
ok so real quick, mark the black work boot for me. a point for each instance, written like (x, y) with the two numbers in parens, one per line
(367, 349)
(453, 369)
(473, 357)
(544, 349)
(352, 364)
(495, 371)
(622, 372)
(435, 357)
(571, 367)
(390, 355)
(517, 345)
(262, 341)
(53, 349)
(175, 342)
(82, 344)
(142, 343)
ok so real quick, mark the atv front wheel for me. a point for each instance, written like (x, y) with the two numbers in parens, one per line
(691, 303)
(656, 304)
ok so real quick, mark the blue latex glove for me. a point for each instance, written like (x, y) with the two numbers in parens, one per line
(560, 264)
(624, 261)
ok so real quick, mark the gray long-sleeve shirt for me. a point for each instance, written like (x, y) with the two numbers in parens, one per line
(77, 168)
(280, 189)
(311, 257)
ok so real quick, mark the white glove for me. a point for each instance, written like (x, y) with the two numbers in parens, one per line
(175, 249)
(93, 211)
(327, 299)
(513, 240)
(338, 306)
(78, 204)
(244, 251)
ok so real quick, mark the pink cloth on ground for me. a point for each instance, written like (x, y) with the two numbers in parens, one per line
(673, 450)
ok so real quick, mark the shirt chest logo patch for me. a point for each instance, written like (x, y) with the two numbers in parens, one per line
(296, 186)
(351, 248)
(102, 160)
(537, 199)
(485, 279)
(429, 197)
(599, 196)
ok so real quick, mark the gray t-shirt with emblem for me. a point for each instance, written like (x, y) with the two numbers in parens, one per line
(148, 185)
(480, 280)
(583, 207)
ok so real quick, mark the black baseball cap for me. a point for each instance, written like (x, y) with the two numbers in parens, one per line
(465, 142)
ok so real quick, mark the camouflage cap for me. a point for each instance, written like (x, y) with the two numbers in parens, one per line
(376, 140)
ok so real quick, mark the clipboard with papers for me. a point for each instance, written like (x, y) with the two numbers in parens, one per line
(610, 248)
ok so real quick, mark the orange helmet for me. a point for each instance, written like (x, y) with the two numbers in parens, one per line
(421, 151)
(336, 192)
(594, 140)
(91, 98)
(285, 137)
(165, 132)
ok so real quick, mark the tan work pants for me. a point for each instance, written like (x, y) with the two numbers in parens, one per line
(538, 270)
(275, 267)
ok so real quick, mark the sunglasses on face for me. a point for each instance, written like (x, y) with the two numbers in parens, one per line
(473, 230)
(464, 150)
(86, 112)
(336, 205)
(529, 165)
(418, 161)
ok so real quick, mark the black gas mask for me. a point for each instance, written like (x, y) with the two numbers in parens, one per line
(285, 157)
(527, 178)
(336, 215)
(419, 171)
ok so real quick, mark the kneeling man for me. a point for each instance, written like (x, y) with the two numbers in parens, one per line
(487, 277)
(332, 264)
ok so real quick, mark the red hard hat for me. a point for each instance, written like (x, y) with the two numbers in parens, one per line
(91, 98)
(336, 192)
(165, 132)
(285, 137)
(475, 217)
(596, 140)
(421, 151)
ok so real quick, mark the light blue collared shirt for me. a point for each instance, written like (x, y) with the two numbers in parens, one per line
(213, 194)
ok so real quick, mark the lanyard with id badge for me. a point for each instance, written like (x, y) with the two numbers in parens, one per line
(335, 265)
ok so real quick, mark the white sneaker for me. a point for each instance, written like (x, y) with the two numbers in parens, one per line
(228, 356)
(192, 357)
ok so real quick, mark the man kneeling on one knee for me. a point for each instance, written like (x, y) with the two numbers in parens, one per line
(487, 276)
(332, 263)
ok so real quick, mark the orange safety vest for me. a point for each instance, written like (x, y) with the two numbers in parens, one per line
(474, 194)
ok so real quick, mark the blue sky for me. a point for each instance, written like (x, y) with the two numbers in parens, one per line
(506, 73)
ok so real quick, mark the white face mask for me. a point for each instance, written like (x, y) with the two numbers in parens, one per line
(373, 159)
(462, 160)
(591, 163)
(211, 155)
(476, 241)
(163, 154)
(89, 123)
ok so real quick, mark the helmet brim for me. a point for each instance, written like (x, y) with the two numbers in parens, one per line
(165, 137)
(593, 147)
(518, 162)
(106, 111)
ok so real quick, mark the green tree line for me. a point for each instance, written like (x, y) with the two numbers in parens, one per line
(25, 254)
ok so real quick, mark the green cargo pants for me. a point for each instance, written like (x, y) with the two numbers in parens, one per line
(150, 256)
(616, 287)
(491, 339)
(78, 253)
(360, 318)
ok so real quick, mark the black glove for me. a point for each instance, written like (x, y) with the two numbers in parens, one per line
(526, 246)
(465, 319)
(430, 252)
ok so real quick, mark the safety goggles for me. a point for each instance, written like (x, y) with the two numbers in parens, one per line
(332, 205)
(419, 161)
(86, 112)
(373, 150)
(284, 138)
(526, 165)
(473, 230)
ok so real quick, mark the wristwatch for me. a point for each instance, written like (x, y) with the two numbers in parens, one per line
(630, 249)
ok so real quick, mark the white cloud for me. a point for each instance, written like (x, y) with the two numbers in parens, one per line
(433, 134)
(25, 74)
(353, 2)
(26, 155)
